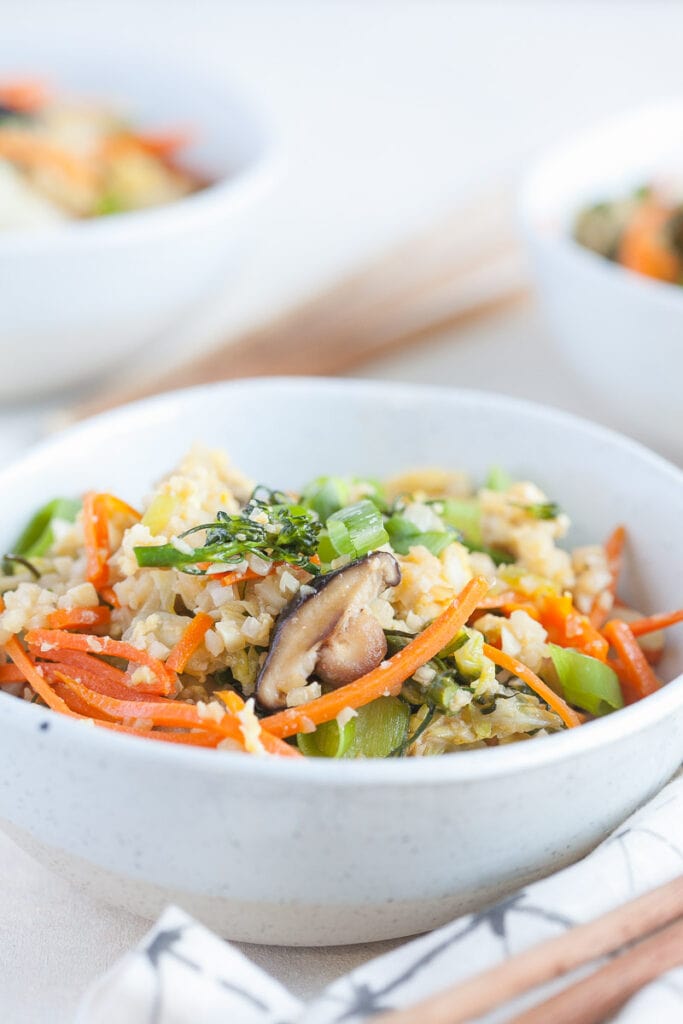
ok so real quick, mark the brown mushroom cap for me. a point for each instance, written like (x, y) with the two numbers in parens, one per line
(328, 629)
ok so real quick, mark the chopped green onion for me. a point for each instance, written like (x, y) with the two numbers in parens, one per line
(38, 536)
(328, 494)
(328, 740)
(464, 515)
(375, 731)
(356, 530)
(405, 535)
(541, 510)
(498, 479)
(586, 682)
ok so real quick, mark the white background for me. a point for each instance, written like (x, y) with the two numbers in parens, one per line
(390, 112)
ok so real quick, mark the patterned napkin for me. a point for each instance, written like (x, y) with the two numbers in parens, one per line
(181, 973)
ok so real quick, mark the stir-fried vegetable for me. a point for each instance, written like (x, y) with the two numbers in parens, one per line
(586, 682)
(335, 623)
(376, 730)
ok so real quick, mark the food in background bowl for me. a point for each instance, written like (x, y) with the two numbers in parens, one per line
(65, 157)
(353, 619)
(642, 231)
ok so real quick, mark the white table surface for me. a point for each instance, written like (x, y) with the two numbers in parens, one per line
(390, 111)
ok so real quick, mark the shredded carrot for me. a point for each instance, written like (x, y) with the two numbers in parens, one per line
(97, 510)
(614, 551)
(78, 618)
(643, 246)
(230, 578)
(25, 147)
(567, 714)
(189, 642)
(23, 94)
(653, 623)
(98, 675)
(177, 715)
(637, 672)
(96, 535)
(34, 677)
(232, 700)
(56, 639)
(567, 627)
(107, 594)
(11, 674)
(389, 677)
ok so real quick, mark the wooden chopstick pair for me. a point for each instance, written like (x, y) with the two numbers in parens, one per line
(653, 923)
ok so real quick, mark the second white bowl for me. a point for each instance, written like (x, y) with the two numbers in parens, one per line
(622, 332)
(78, 298)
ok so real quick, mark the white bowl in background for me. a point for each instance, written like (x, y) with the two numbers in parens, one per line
(622, 331)
(79, 297)
(322, 852)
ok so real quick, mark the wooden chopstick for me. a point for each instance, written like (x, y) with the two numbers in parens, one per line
(467, 263)
(549, 960)
(598, 997)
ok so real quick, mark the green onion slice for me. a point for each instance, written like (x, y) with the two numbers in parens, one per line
(586, 682)
(355, 530)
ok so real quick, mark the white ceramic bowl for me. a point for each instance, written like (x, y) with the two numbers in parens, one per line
(79, 297)
(321, 852)
(621, 331)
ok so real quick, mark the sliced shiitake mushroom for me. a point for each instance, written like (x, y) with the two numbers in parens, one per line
(328, 629)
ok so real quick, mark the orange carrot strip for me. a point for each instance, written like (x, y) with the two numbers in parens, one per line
(96, 535)
(107, 594)
(34, 677)
(643, 246)
(389, 677)
(614, 551)
(78, 618)
(97, 509)
(567, 714)
(231, 578)
(636, 669)
(23, 94)
(232, 700)
(11, 674)
(234, 703)
(175, 714)
(653, 623)
(99, 676)
(189, 642)
(567, 627)
(57, 639)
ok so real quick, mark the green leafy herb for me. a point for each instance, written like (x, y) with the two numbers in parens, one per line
(269, 526)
